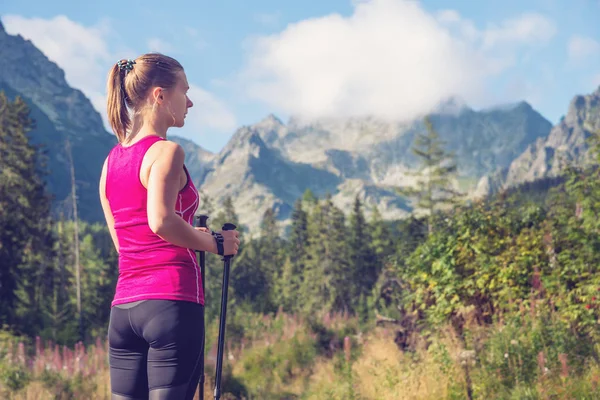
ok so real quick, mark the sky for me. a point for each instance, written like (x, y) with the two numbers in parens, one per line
(392, 59)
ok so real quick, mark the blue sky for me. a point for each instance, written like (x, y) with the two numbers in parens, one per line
(390, 58)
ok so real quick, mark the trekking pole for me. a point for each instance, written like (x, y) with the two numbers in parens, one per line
(227, 266)
(201, 256)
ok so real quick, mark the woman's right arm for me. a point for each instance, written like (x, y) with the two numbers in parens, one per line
(163, 188)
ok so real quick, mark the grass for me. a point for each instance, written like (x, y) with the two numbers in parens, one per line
(381, 371)
(329, 357)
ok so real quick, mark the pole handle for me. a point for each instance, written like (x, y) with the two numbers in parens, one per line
(202, 221)
(229, 227)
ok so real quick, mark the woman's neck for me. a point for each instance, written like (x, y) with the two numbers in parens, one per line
(143, 127)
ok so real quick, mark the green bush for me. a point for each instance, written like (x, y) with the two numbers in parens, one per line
(528, 349)
(13, 377)
(267, 369)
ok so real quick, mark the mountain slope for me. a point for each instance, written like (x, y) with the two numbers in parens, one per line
(547, 156)
(62, 113)
(257, 177)
(198, 160)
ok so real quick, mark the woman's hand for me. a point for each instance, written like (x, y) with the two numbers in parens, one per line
(231, 242)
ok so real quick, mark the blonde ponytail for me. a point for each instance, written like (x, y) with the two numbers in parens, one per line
(118, 114)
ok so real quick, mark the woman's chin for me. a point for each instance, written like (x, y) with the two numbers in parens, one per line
(179, 124)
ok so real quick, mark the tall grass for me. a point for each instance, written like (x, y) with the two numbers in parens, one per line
(49, 371)
(532, 355)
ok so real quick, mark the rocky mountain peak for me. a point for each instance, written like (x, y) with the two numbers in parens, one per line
(582, 108)
(271, 129)
(246, 141)
(271, 121)
(452, 106)
(547, 156)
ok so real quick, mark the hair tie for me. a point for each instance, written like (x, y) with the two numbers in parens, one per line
(127, 65)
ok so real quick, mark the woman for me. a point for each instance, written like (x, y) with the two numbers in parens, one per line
(149, 201)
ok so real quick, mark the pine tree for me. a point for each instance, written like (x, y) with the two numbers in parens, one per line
(97, 287)
(362, 257)
(58, 311)
(230, 213)
(337, 259)
(315, 294)
(207, 206)
(227, 213)
(249, 280)
(256, 270)
(434, 178)
(326, 269)
(288, 286)
(381, 237)
(268, 225)
(60, 317)
(309, 198)
(25, 231)
(272, 251)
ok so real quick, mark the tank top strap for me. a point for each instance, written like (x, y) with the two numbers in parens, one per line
(142, 145)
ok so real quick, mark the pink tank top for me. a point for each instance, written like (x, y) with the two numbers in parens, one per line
(149, 267)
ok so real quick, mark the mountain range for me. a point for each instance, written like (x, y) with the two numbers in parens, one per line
(272, 163)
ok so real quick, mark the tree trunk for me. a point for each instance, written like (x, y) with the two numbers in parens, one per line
(76, 237)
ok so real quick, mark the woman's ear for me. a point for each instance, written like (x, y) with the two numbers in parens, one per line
(157, 95)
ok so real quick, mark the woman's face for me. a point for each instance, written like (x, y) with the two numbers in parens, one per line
(176, 102)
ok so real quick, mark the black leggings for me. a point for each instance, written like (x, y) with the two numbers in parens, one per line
(155, 349)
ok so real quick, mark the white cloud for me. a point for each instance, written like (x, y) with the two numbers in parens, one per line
(452, 19)
(85, 55)
(390, 59)
(209, 111)
(580, 48)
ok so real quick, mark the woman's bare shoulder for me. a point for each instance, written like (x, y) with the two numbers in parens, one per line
(166, 151)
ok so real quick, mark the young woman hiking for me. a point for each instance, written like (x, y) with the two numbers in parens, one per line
(149, 201)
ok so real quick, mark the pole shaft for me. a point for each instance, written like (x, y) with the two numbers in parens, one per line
(223, 318)
(222, 321)
(201, 255)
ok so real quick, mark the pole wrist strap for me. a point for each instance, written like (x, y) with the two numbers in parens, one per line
(219, 239)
